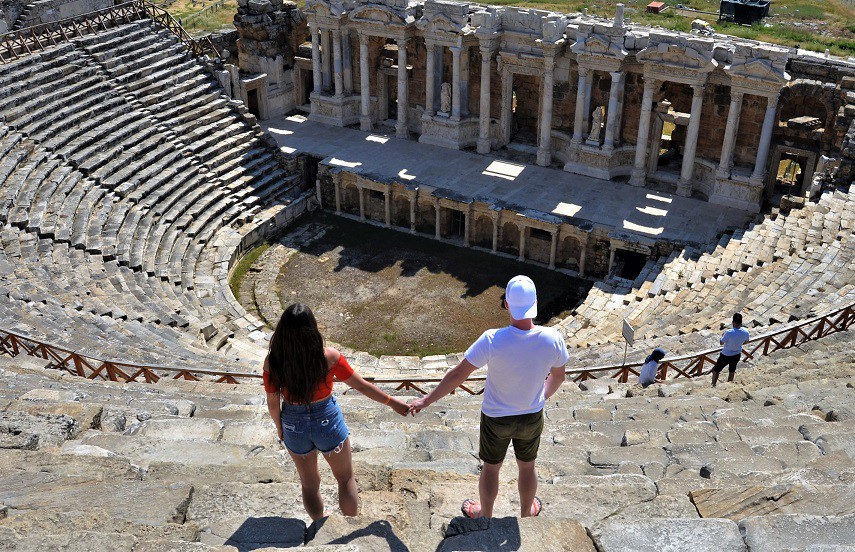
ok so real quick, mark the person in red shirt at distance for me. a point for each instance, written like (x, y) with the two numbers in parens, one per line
(298, 379)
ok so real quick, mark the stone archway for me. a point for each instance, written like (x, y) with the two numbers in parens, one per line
(482, 232)
(509, 239)
(569, 253)
(400, 210)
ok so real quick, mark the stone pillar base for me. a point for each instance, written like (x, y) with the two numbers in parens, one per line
(599, 162)
(365, 124)
(739, 193)
(447, 132)
(335, 110)
(401, 131)
(544, 157)
(638, 178)
(684, 188)
(484, 146)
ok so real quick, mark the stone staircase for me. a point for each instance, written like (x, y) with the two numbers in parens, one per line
(779, 270)
(765, 465)
(122, 165)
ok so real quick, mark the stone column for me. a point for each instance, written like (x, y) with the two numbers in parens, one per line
(466, 217)
(553, 250)
(484, 105)
(412, 212)
(684, 186)
(578, 119)
(403, 100)
(325, 58)
(495, 233)
(464, 81)
(316, 60)
(338, 73)
(612, 251)
(455, 82)
(318, 194)
(388, 206)
(361, 203)
(430, 70)
(586, 114)
(347, 62)
(640, 165)
(583, 256)
(765, 139)
(615, 107)
(436, 207)
(522, 243)
(544, 150)
(337, 187)
(507, 98)
(364, 83)
(726, 161)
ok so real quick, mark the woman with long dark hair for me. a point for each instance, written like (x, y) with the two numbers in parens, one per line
(298, 378)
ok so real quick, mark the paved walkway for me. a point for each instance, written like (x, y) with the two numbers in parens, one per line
(623, 207)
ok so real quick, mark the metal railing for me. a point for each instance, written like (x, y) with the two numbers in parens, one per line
(26, 41)
(91, 367)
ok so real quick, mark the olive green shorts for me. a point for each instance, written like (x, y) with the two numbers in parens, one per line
(497, 433)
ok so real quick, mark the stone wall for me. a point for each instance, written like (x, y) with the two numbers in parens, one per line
(47, 11)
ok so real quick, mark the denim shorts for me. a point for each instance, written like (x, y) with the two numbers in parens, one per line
(318, 425)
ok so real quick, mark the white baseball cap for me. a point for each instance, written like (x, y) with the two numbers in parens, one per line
(521, 296)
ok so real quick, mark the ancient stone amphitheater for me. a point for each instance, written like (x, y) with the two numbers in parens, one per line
(134, 173)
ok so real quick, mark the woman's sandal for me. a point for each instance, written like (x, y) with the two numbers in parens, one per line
(537, 506)
(468, 508)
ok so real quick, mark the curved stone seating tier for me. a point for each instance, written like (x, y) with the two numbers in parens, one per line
(121, 161)
(772, 467)
(782, 269)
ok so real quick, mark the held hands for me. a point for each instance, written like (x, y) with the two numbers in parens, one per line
(417, 406)
(399, 406)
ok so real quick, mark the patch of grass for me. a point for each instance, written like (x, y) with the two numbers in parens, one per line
(203, 16)
(244, 265)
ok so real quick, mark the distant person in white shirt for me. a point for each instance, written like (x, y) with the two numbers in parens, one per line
(731, 351)
(525, 366)
(649, 373)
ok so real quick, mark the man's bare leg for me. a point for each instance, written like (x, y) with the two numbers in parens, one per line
(527, 485)
(488, 488)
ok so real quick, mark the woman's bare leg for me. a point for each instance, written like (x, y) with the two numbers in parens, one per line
(341, 464)
(310, 480)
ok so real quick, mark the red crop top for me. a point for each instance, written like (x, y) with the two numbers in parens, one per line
(341, 371)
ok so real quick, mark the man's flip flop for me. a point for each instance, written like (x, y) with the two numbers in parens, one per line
(537, 506)
(468, 508)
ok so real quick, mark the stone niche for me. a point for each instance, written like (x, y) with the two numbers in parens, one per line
(265, 54)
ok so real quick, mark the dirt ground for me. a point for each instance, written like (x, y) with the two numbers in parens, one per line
(387, 292)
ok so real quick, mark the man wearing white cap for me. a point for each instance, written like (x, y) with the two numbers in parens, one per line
(525, 366)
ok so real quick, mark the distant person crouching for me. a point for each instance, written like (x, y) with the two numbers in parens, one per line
(650, 369)
(731, 350)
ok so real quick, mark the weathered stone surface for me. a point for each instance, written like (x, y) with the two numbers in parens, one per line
(658, 535)
(55, 521)
(51, 395)
(662, 506)
(512, 533)
(183, 429)
(142, 451)
(590, 499)
(163, 545)
(249, 515)
(737, 503)
(26, 431)
(77, 541)
(87, 415)
(784, 533)
(163, 503)
(367, 534)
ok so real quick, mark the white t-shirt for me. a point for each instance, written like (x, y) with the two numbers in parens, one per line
(518, 362)
(648, 373)
(733, 340)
